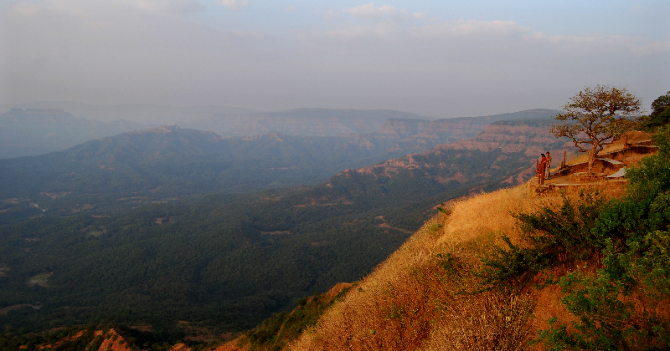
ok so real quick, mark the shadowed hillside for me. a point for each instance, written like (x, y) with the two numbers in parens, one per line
(170, 161)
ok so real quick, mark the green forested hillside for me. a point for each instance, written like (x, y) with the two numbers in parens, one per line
(221, 260)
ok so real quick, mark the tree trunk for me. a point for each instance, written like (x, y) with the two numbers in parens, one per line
(592, 158)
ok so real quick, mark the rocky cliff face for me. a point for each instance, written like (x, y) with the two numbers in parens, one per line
(533, 140)
(327, 122)
(506, 149)
(299, 122)
(450, 128)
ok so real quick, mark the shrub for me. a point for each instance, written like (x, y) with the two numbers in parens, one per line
(550, 237)
(624, 306)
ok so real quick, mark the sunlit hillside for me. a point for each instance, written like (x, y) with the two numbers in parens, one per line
(424, 294)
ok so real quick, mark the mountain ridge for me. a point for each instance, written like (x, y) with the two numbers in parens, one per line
(157, 162)
(33, 132)
(518, 142)
(21, 134)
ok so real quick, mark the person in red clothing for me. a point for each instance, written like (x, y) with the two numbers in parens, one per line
(541, 169)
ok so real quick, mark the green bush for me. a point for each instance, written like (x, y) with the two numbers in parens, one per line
(550, 237)
(618, 308)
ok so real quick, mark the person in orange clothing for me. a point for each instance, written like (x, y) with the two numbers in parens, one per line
(541, 169)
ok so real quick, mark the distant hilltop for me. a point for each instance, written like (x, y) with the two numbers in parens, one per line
(33, 131)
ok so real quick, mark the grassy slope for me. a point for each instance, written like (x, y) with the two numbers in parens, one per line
(415, 298)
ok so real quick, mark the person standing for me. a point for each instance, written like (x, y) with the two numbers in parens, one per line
(541, 169)
(548, 165)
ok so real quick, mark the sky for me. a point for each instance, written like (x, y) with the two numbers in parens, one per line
(436, 58)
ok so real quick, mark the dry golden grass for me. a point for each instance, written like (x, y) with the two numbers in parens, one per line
(414, 300)
(478, 216)
(491, 213)
(489, 321)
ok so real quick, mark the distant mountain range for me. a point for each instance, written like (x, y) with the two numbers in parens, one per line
(171, 161)
(299, 122)
(35, 131)
(503, 154)
(329, 122)
(151, 115)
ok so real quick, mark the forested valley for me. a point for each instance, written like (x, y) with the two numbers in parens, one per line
(140, 241)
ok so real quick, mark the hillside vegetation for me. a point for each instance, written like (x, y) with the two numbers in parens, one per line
(511, 270)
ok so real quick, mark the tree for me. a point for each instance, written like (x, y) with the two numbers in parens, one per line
(660, 114)
(596, 117)
(660, 104)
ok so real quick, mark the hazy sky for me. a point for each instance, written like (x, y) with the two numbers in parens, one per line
(437, 58)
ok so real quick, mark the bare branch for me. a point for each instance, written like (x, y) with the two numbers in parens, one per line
(596, 117)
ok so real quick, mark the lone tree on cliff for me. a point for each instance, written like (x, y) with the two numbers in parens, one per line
(596, 117)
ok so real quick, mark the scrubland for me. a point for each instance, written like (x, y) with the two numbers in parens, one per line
(426, 295)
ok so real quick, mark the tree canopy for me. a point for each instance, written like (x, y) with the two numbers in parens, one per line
(660, 104)
(660, 111)
(595, 117)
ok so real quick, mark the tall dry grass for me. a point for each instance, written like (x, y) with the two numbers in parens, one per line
(420, 297)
